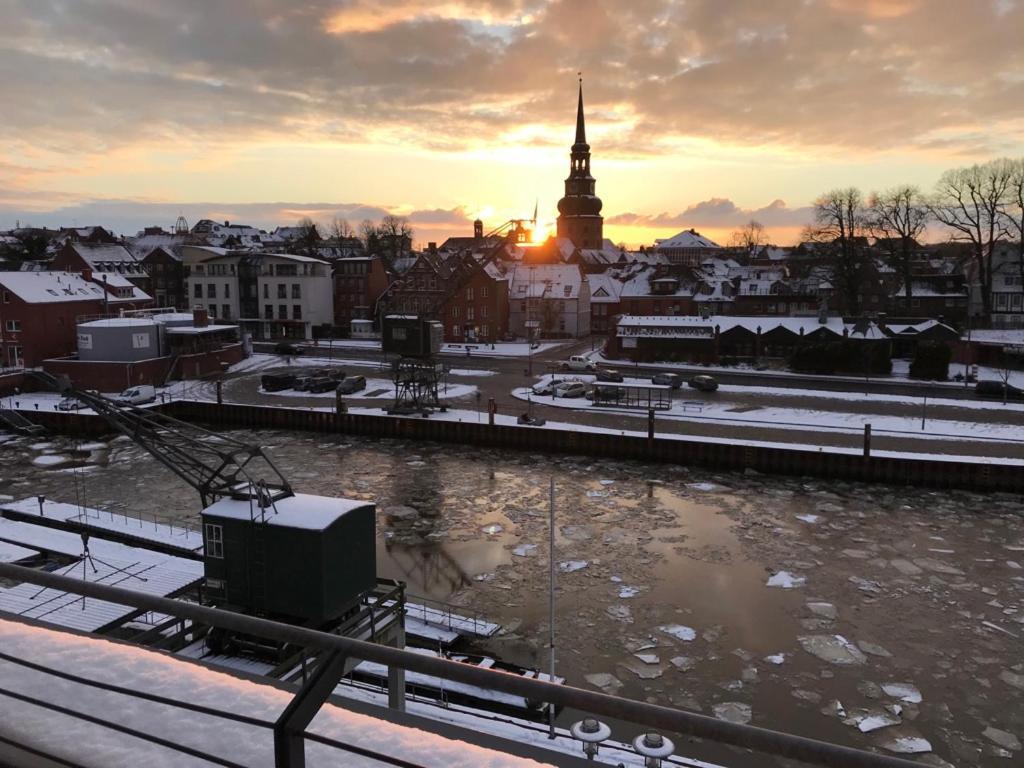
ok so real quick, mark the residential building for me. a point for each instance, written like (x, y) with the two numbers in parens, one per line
(1007, 288)
(605, 290)
(110, 258)
(689, 248)
(358, 283)
(39, 311)
(477, 309)
(271, 295)
(549, 301)
(166, 277)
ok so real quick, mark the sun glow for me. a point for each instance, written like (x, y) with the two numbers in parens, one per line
(542, 230)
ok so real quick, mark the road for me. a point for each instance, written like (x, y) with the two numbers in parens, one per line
(510, 373)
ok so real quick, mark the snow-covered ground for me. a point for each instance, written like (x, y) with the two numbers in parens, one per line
(88, 744)
(498, 349)
(263, 362)
(689, 405)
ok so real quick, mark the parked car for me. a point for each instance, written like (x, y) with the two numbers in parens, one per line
(578, 363)
(571, 389)
(138, 395)
(608, 374)
(664, 379)
(275, 382)
(545, 387)
(287, 348)
(301, 383)
(608, 394)
(703, 383)
(994, 390)
(336, 373)
(319, 384)
(69, 404)
(351, 385)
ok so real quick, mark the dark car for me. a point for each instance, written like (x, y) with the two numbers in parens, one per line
(275, 382)
(703, 383)
(319, 384)
(997, 390)
(673, 380)
(608, 374)
(351, 385)
(302, 383)
(606, 394)
(287, 348)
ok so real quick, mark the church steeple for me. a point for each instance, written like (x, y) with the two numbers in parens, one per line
(580, 210)
(581, 126)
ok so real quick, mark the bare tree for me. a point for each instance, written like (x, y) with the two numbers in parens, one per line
(970, 202)
(308, 237)
(395, 236)
(750, 237)
(896, 218)
(341, 230)
(371, 236)
(1013, 213)
(840, 221)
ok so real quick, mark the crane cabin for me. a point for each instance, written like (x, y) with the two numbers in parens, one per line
(303, 559)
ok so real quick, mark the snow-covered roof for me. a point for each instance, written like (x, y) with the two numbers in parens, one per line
(119, 322)
(1014, 337)
(552, 281)
(688, 238)
(303, 510)
(912, 329)
(105, 253)
(125, 290)
(604, 288)
(50, 287)
(687, 325)
(192, 330)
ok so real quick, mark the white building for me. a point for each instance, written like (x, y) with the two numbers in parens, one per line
(688, 248)
(554, 299)
(271, 295)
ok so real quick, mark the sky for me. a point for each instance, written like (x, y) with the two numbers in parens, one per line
(700, 113)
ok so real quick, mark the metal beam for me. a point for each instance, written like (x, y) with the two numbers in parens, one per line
(289, 742)
(649, 715)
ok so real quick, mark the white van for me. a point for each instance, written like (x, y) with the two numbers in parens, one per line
(138, 395)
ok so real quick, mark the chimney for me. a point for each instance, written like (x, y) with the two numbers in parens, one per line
(87, 275)
(200, 319)
(478, 229)
(432, 247)
(227, 223)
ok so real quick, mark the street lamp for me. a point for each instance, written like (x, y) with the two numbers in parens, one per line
(591, 732)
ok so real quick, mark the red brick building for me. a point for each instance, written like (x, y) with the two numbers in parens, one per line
(39, 311)
(358, 283)
(101, 258)
(477, 309)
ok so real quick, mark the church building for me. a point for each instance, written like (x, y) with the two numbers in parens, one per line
(579, 212)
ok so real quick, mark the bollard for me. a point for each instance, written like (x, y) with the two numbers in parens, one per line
(650, 425)
(220, 397)
(492, 409)
(867, 441)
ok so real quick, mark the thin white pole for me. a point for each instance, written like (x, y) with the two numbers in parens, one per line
(551, 600)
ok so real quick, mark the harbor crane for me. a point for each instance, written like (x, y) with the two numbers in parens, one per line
(215, 464)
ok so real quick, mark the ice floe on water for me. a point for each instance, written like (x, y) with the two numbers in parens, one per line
(524, 550)
(571, 566)
(733, 712)
(679, 632)
(51, 460)
(903, 691)
(785, 580)
(834, 649)
(626, 593)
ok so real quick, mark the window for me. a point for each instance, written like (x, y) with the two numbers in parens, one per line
(12, 326)
(296, 291)
(225, 311)
(469, 294)
(211, 291)
(455, 311)
(485, 331)
(567, 290)
(213, 311)
(7, 297)
(215, 541)
(15, 356)
(483, 312)
(197, 291)
(268, 312)
(282, 291)
(266, 291)
(296, 312)
(227, 290)
(287, 270)
(470, 313)
(282, 311)
(484, 292)
(522, 307)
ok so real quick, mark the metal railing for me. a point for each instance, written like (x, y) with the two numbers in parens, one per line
(651, 716)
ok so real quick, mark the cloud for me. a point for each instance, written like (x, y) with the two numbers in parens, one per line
(718, 213)
(130, 216)
(871, 76)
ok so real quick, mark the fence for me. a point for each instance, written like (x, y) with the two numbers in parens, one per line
(338, 649)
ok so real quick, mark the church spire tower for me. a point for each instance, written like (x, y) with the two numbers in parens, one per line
(579, 212)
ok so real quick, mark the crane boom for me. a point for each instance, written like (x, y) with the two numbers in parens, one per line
(215, 464)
